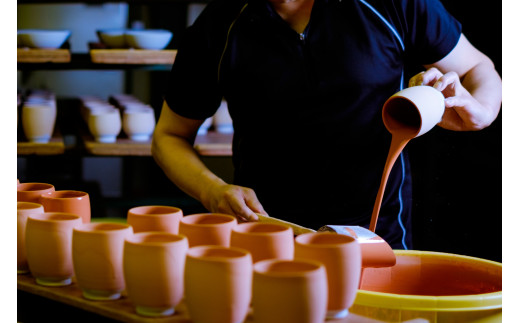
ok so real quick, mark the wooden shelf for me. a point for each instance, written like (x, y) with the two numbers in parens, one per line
(36, 55)
(132, 56)
(210, 144)
(55, 146)
(123, 309)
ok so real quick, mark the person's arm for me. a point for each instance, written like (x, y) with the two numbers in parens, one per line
(470, 84)
(172, 149)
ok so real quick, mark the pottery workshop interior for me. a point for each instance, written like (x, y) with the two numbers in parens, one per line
(92, 77)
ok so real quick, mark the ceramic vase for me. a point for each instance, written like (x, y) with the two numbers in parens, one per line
(218, 282)
(31, 192)
(139, 124)
(104, 124)
(48, 241)
(264, 240)
(341, 255)
(153, 264)
(24, 209)
(207, 229)
(76, 202)
(155, 218)
(97, 254)
(414, 110)
(38, 122)
(289, 291)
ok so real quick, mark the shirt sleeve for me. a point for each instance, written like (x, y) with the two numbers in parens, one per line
(432, 32)
(192, 90)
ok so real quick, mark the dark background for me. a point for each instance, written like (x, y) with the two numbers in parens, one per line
(458, 175)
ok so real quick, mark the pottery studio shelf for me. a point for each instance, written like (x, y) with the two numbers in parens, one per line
(133, 56)
(122, 309)
(33, 55)
(55, 146)
(210, 144)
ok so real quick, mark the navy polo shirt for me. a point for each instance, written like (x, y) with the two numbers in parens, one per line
(306, 109)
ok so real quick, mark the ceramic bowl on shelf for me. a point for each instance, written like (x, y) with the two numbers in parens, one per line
(148, 38)
(112, 38)
(104, 124)
(139, 123)
(42, 38)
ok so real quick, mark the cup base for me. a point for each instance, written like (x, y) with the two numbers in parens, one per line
(100, 295)
(154, 311)
(53, 281)
(337, 314)
(140, 137)
(40, 139)
(106, 139)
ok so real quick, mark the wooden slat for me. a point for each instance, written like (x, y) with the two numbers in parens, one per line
(37, 55)
(132, 56)
(55, 146)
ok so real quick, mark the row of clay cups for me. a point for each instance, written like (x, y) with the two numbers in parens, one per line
(39, 114)
(105, 121)
(35, 198)
(138, 117)
(232, 245)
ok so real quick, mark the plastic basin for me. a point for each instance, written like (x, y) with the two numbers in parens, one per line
(439, 287)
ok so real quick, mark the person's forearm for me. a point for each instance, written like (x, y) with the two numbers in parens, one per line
(485, 85)
(182, 165)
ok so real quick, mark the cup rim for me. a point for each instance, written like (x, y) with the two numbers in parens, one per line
(140, 210)
(54, 217)
(137, 239)
(22, 205)
(21, 187)
(102, 227)
(339, 239)
(56, 195)
(226, 219)
(242, 228)
(235, 254)
(264, 267)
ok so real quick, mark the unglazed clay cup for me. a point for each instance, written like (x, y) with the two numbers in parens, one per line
(68, 201)
(341, 255)
(38, 122)
(48, 242)
(415, 110)
(139, 124)
(24, 209)
(153, 265)
(289, 291)
(154, 218)
(97, 254)
(207, 229)
(264, 240)
(218, 283)
(105, 124)
(31, 192)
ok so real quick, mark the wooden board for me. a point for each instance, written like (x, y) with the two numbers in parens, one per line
(210, 144)
(36, 55)
(55, 146)
(132, 56)
(123, 309)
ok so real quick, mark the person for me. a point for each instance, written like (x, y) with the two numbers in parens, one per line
(305, 82)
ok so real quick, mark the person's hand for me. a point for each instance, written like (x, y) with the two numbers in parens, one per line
(232, 199)
(463, 111)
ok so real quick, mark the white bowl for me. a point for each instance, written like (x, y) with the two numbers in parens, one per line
(112, 38)
(148, 38)
(42, 38)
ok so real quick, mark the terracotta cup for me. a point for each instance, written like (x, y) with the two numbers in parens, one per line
(289, 291)
(415, 110)
(208, 229)
(24, 209)
(76, 202)
(264, 240)
(97, 254)
(153, 266)
(48, 242)
(218, 282)
(341, 255)
(155, 218)
(31, 192)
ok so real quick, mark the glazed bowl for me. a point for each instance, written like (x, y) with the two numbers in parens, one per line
(148, 38)
(42, 38)
(112, 38)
